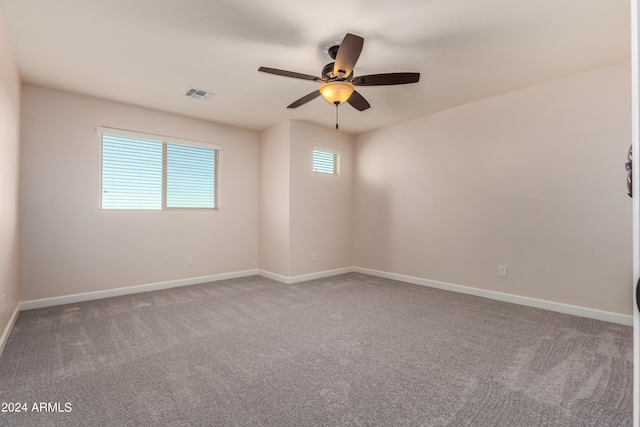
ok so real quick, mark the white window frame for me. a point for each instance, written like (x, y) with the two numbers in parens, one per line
(100, 130)
(337, 165)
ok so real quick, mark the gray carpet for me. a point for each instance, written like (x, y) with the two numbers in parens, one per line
(351, 350)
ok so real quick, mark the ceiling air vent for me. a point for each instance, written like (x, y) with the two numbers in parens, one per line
(199, 94)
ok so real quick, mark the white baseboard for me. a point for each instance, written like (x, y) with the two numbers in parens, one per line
(274, 276)
(7, 331)
(575, 310)
(305, 277)
(500, 296)
(88, 296)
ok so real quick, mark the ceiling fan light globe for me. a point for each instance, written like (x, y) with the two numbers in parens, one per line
(336, 92)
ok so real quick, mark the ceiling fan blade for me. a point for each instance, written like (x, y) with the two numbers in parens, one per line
(305, 99)
(386, 79)
(358, 102)
(348, 55)
(289, 74)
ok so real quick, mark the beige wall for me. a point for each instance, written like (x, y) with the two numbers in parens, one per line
(301, 212)
(9, 155)
(532, 179)
(274, 246)
(321, 205)
(67, 245)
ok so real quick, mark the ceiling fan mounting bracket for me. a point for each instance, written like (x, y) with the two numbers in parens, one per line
(333, 51)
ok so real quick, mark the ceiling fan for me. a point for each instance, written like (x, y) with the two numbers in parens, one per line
(338, 80)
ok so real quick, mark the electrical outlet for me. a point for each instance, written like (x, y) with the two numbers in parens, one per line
(502, 271)
(314, 257)
(189, 260)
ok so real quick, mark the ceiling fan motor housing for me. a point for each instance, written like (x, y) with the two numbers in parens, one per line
(327, 73)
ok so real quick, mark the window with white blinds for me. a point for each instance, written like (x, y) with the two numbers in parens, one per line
(326, 161)
(148, 172)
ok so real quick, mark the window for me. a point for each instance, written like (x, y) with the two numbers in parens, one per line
(326, 161)
(149, 172)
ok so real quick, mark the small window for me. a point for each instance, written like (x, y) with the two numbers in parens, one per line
(326, 161)
(148, 172)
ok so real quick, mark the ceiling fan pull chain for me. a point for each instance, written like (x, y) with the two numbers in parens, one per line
(337, 116)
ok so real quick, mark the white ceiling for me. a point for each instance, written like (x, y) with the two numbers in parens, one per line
(150, 52)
